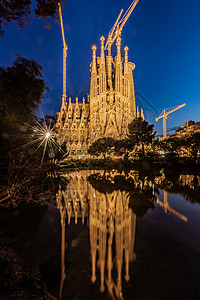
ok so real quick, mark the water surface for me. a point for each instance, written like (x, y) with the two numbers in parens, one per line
(118, 236)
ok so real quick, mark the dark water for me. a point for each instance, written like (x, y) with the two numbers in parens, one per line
(115, 236)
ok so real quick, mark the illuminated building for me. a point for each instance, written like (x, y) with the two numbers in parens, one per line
(188, 128)
(111, 104)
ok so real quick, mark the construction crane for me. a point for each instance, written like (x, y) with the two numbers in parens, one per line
(164, 114)
(64, 53)
(118, 26)
(167, 208)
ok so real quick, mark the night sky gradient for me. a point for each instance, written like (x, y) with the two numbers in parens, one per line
(164, 43)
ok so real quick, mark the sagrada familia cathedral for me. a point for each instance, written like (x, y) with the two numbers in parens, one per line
(110, 105)
(112, 228)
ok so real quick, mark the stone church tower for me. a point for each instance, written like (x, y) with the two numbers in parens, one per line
(112, 95)
(110, 107)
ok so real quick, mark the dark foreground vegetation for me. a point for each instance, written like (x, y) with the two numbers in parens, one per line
(18, 281)
(154, 164)
(24, 167)
(19, 11)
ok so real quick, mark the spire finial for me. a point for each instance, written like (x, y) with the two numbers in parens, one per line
(102, 39)
(94, 48)
(126, 54)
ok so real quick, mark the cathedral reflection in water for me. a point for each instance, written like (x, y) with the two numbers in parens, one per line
(111, 228)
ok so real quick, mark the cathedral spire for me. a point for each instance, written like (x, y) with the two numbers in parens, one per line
(118, 75)
(126, 73)
(142, 114)
(102, 39)
(70, 109)
(94, 65)
(118, 44)
(102, 69)
(93, 86)
(138, 113)
(77, 110)
(126, 54)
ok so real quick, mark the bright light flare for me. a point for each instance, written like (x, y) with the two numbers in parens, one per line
(43, 137)
(47, 135)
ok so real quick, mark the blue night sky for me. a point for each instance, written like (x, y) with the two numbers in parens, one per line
(164, 43)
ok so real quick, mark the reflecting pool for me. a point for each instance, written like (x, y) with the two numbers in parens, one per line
(116, 235)
(156, 256)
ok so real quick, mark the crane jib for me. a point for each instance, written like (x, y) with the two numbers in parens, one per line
(119, 24)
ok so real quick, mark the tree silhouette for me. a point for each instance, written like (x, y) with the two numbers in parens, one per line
(140, 133)
(21, 90)
(123, 146)
(193, 143)
(19, 11)
(101, 146)
(170, 144)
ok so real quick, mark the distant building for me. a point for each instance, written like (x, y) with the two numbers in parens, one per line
(111, 104)
(188, 128)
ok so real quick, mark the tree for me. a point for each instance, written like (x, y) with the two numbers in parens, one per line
(140, 133)
(186, 144)
(21, 90)
(101, 146)
(123, 146)
(19, 11)
(170, 144)
(25, 176)
(48, 8)
(193, 143)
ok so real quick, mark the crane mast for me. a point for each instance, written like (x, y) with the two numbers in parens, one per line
(164, 114)
(64, 54)
(167, 208)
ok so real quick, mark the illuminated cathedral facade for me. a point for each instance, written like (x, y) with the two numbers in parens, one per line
(110, 105)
